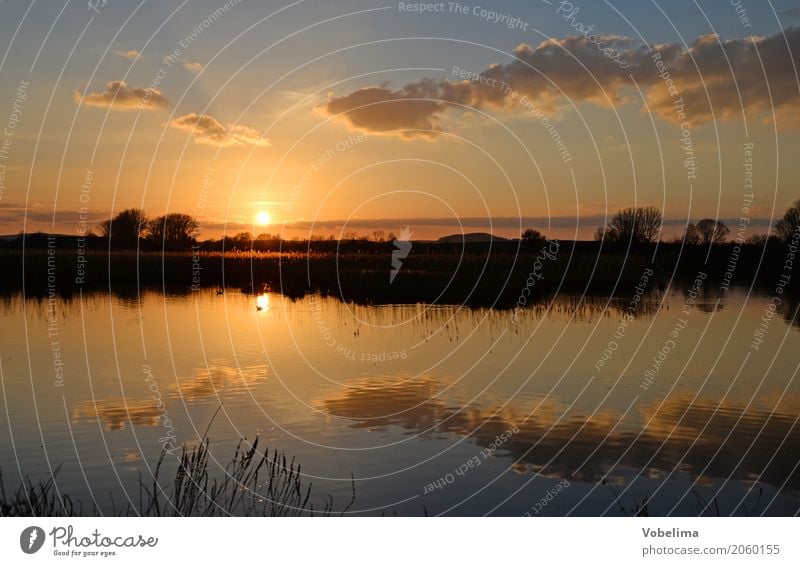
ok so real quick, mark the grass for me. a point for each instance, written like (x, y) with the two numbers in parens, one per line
(704, 507)
(254, 484)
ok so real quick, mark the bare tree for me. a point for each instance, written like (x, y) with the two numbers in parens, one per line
(786, 227)
(648, 224)
(710, 231)
(173, 228)
(127, 226)
(641, 224)
(605, 233)
(624, 223)
(762, 239)
(691, 236)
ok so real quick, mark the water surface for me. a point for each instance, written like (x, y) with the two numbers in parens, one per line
(431, 409)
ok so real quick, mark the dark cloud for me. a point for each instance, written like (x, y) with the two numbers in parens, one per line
(119, 96)
(715, 78)
(790, 12)
(14, 213)
(208, 130)
(407, 111)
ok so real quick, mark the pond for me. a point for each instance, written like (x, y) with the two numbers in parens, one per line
(680, 402)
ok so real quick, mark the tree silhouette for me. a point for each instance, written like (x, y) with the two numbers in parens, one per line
(531, 235)
(786, 227)
(762, 239)
(641, 224)
(125, 227)
(606, 233)
(692, 235)
(173, 228)
(243, 241)
(710, 231)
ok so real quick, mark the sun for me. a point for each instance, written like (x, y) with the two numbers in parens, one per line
(263, 218)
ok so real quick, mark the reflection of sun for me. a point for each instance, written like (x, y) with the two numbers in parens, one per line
(262, 302)
(263, 218)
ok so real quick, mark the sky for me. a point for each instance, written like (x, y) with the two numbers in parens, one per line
(315, 117)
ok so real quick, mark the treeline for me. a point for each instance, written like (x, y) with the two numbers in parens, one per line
(127, 228)
(133, 229)
(481, 273)
(643, 225)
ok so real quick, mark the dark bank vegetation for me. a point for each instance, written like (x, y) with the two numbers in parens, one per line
(478, 274)
(491, 272)
(254, 483)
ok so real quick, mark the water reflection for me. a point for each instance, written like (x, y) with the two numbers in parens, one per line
(376, 404)
(701, 437)
(204, 383)
(116, 414)
(317, 375)
(216, 379)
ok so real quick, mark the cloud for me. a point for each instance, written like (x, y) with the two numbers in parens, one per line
(131, 55)
(193, 67)
(379, 109)
(12, 214)
(119, 96)
(790, 12)
(208, 130)
(584, 69)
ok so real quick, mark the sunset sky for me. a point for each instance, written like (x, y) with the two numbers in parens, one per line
(321, 117)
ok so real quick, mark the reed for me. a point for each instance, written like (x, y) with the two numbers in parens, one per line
(254, 483)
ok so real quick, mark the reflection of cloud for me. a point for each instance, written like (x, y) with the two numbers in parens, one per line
(116, 413)
(564, 445)
(707, 424)
(376, 404)
(194, 67)
(128, 456)
(119, 96)
(212, 381)
(574, 67)
(208, 130)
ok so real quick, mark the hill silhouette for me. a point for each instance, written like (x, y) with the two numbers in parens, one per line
(471, 238)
